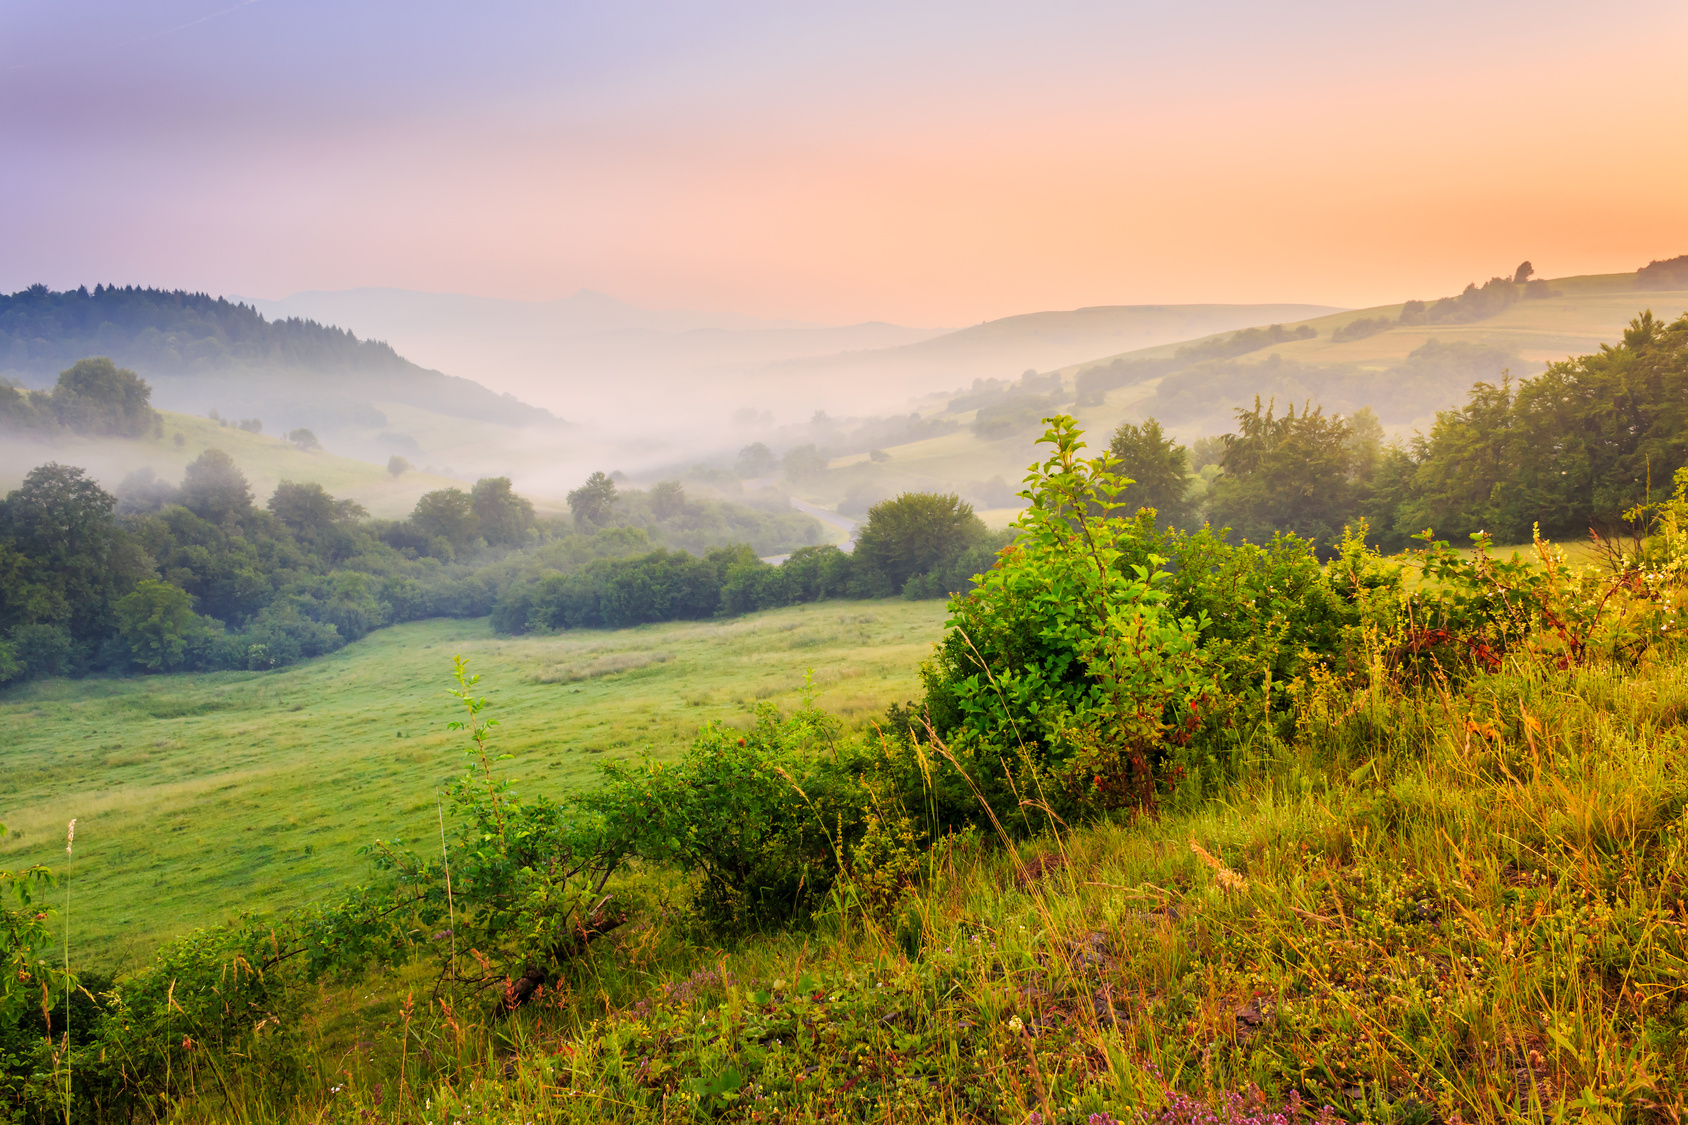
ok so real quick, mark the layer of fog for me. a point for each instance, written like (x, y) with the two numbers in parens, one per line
(645, 390)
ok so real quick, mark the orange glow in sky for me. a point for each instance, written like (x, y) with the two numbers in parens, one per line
(941, 165)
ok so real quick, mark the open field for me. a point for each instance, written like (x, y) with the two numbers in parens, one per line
(201, 795)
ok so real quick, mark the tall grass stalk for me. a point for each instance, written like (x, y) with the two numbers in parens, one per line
(69, 841)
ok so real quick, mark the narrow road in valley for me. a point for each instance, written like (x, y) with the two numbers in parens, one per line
(832, 519)
(843, 523)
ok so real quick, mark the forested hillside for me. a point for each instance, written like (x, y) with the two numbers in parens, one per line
(204, 353)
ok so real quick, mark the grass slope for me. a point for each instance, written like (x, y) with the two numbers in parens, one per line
(265, 459)
(1583, 313)
(201, 795)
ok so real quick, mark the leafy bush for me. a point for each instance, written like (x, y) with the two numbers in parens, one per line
(757, 817)
(1065, 671)
(95, 396)
(910, 536)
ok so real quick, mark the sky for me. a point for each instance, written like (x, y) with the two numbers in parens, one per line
(920, 163)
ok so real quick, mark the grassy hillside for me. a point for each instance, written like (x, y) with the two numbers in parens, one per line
(200, 795)
(1425, 907)
(265, 459)
(1582, 313)
(885, 378)
(1417, 855)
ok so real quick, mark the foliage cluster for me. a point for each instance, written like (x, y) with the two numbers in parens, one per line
(1567, 452)
(1570, 449)
(92, 396)
(1243, 342)
(198, 576)
(1672, 273)
(920, 545)
(163, 577)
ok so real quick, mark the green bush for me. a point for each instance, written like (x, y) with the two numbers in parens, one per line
(1066, 670)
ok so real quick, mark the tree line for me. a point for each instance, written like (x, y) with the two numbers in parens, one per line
(162, 577)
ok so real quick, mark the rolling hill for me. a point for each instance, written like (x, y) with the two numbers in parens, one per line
(1404, 371)
(688, 373)
(1005, 348)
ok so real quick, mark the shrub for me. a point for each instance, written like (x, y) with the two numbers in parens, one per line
(157, 622)
(911, 535)
(1064, 671)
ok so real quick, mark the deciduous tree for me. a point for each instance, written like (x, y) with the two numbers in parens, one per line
(1159, 469)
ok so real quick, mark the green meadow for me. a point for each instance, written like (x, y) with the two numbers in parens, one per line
(200, 796)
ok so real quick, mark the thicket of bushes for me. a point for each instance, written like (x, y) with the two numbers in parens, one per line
(163, 577)
(92, 396)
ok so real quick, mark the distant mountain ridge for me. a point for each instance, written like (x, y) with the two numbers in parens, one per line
(201, 352)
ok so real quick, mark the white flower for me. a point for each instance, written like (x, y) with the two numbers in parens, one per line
(1015, 1025)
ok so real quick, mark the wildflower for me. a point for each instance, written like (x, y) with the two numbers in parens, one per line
(1015, 1025)
(1222, 875)
(70, 836)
